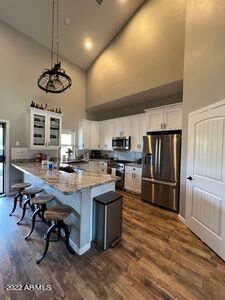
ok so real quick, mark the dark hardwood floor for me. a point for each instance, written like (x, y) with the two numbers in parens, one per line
(158, 258)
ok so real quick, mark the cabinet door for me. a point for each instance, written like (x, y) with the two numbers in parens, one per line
(118, 127)
(94, 136)
(102, 137)
(173, 118)
(155, 120)
(135, 133)
(54, 132)
(109, 130)
(126, 126)
(143, 129)
(93, 166)
(84, 130)
(137, 180)
(39, 123)
(129, 181)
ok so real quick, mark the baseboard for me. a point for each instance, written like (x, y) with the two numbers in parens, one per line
(180, 218)
(78, 250)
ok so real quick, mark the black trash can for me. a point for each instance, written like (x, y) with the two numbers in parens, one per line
(107, 219)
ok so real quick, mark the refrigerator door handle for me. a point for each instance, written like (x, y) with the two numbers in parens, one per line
(159, 155)
(173, 184)
(156, 155)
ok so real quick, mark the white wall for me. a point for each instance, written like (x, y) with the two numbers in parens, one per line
(204, 67)
(22, 61)
(148, 53)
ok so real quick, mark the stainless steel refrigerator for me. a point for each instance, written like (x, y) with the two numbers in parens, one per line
(161, 169)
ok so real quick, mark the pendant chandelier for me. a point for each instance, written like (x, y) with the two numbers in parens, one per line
(54, 80)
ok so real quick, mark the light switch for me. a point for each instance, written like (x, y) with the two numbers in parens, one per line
(17, 143)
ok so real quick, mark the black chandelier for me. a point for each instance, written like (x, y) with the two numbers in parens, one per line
(54, 80)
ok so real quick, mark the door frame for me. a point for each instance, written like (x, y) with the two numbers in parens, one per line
(6, 168)
(204, 109)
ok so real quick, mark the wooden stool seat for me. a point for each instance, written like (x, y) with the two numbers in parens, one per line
(42, 199)
(58, 212)
(21, 186)
(31, 191)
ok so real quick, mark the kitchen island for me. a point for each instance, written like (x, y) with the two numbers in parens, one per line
(74, 189)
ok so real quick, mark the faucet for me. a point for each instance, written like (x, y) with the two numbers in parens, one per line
(58, 158)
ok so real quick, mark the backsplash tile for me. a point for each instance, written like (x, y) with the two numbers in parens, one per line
(27, 153)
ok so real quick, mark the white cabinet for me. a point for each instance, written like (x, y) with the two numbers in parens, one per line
(143, 128)
(84, 133)
(45, 129)
(122, 127)
(138, 130)
(173, 118)
(88, 134)
(164, 118)
(95, 126)
(106, 134)
(93, 165)
(102, 167)
(133, 179)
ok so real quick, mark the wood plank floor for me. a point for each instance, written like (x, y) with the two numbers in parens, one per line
(158, 258)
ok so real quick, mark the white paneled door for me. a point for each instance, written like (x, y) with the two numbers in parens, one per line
(205, 203)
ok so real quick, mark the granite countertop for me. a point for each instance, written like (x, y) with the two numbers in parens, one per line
(135, 165)
(67, 183)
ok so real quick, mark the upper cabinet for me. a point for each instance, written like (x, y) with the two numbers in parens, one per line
(45, 129)
(138, 130)
(164, 118)
(95, 131)
(88, 134)
(122, 127)
(106, 134)
(96, 135)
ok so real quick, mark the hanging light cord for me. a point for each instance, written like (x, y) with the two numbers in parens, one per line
(57, 31)
(53, 22)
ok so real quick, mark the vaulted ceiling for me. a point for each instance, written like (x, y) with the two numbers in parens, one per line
(87, 22)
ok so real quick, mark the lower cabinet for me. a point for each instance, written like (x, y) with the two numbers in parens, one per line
(102, 167)
(97, 166)
(133, 179)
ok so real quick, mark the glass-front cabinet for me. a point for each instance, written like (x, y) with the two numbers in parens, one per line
(45, 129)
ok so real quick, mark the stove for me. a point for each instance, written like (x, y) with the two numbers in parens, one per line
(119, 166)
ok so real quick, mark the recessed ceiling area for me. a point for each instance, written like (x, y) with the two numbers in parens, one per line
(85, 27)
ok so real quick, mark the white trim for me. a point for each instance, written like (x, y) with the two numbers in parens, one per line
(78, 250)
(180, 104)
(180, 218)
(6, 183)
(211, 106)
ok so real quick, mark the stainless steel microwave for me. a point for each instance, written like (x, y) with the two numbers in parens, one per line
(121, 143)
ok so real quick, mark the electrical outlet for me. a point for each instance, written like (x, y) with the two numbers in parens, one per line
(17, 143)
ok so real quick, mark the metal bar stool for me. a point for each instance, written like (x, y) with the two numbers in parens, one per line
(40, 202)
(29, 193)
(19, 187)
(56, 214)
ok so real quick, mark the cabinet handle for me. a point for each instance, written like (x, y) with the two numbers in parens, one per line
(161, 125)
(164, 125)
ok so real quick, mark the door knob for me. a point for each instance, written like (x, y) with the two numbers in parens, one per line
(189, 178)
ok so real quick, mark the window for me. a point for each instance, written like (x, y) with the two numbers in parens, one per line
(67, 142)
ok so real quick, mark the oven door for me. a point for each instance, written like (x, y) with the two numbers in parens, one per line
(121, 143)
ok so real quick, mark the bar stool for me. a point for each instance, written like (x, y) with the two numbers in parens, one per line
(40, 202)
(57, 214)
(29, 193)
(19, 187)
